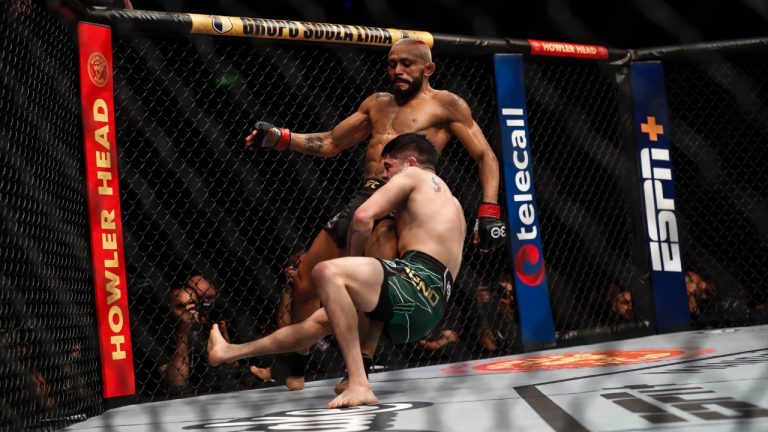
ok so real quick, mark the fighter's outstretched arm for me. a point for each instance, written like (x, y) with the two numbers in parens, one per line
(349, 132)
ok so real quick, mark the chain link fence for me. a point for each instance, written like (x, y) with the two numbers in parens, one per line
(211, 224)
(583, 178)
(196, 201)
(719, 127)
(49, 368)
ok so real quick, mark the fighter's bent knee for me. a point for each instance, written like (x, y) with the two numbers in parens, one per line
(323, 273)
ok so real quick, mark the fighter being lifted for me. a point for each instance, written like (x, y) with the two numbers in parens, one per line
(412, 105)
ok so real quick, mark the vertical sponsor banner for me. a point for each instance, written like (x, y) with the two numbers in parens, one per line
(651, 123)
(97, 100)
(534, 310)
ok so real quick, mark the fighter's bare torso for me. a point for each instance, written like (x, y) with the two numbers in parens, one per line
(430, 112)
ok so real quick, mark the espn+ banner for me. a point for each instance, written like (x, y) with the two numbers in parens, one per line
(651, 122)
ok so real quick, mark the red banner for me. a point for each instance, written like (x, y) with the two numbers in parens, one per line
(98, 104)
(564, 49)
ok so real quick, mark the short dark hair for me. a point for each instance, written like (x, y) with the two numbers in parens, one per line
(412, 144)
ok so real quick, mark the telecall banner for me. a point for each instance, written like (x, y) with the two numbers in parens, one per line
(97, 99)
(534, 309)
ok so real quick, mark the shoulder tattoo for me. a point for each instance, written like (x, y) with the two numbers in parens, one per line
(435, 185)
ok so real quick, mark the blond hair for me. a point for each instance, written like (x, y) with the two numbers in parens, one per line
(418, 46)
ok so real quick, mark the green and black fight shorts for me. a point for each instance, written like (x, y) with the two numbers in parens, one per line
(413, 296)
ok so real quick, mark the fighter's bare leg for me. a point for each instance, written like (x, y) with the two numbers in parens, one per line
(346, 286)
(282, 319)
(305, 301)
(291, 338)
(382, 244)
(370, 331)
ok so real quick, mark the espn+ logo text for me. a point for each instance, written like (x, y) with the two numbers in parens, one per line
(529, 262)
(663, 236)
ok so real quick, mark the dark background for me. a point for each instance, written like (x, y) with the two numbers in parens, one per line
(617, 24)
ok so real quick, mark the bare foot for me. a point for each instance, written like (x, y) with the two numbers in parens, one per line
(353, 396)
(294, 382)
(341, 386)
(263, 373)
(216, 347)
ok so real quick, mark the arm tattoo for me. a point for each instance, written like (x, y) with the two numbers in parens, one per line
(435, 185)
(314, 143)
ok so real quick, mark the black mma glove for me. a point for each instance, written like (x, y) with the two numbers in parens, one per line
(270, 136)
(492, 231)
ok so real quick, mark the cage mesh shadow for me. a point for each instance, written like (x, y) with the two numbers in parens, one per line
(49, 365)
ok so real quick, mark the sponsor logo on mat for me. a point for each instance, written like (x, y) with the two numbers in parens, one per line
(361, 418)
(676, 403)
(579, 360)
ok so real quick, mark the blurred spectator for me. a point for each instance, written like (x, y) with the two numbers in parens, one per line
(19, 357)
(283, 313)
(189, 304)
(620, 301)
(614, 317)
(495, 313)
(485, 334)
(700, 292)
(507, 303)
(73, 380)
(714, 307)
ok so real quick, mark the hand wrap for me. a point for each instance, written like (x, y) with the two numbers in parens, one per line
(270, 136)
